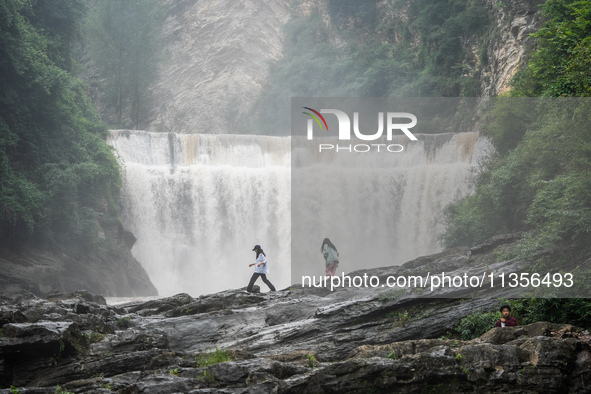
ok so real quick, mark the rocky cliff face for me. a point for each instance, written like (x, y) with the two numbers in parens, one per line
(110, 269)
(41, 272)
(219, 56)
(507, 43)
(297, 340)
(220, 53)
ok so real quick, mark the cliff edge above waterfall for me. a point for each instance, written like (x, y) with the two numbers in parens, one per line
(296, 340)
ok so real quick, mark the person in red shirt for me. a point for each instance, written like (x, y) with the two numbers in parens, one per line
(506, 320)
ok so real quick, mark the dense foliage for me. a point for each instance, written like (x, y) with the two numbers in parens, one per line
(562, 64)
(540, 177)
(56, 172)
(124, 40)
(368, 52)
(575, 311)
(476, 324)
(541, 184)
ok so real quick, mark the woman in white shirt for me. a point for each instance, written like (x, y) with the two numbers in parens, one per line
(262, 269)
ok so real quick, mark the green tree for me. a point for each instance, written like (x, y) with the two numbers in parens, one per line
(539, 183)
(560, 65)
(125, 43)
(56, 171)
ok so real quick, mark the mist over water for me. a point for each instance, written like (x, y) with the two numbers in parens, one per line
(199, 203)
(379, 209)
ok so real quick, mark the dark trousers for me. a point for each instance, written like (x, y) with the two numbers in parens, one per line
(254, 278)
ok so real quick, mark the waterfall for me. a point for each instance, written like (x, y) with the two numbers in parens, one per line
(199, 203)
(379, 209)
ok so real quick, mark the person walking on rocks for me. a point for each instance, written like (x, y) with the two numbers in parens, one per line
(261, 269)
(331, 256)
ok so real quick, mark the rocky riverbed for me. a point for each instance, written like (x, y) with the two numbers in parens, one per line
(297, 340)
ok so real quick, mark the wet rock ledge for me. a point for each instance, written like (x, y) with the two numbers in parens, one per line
(297, 340)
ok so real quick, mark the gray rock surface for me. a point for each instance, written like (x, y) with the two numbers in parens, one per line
(297, 340)
(220, 53)
(41, 272)
(508, 43)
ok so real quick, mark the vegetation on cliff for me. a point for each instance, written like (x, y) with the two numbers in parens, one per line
(368, 50)
(539, 180)
(58, 177)
(124, 44)
(561, 66)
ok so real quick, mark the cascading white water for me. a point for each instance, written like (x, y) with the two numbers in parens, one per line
(199, 203)
(379, 209)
